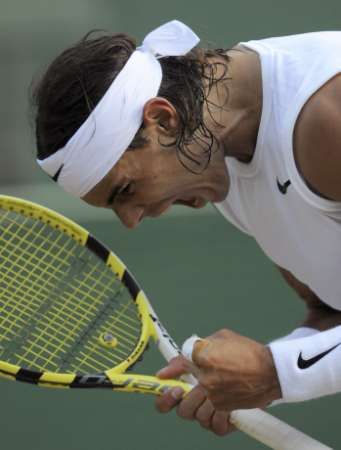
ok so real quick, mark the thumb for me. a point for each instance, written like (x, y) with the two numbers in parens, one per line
(195, 349)
(200, 351)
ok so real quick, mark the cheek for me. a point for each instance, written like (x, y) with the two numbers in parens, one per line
(161, 180)
(156, 190)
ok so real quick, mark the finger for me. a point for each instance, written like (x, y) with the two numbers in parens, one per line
(200, 350)
(204, 414)
(176, 367)
(169, 400)
(220, 423)
(189, 405)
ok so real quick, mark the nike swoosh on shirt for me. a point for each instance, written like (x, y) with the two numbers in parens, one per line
(56, 175)
(306, 363)
(283, 187)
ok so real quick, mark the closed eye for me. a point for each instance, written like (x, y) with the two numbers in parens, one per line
(126, 189)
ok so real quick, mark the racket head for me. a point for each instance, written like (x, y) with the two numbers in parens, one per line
(71, 314)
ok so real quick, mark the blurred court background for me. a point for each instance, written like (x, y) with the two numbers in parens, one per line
(200, 273)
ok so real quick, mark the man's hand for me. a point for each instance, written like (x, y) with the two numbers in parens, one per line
(234, 372)
(195, 405)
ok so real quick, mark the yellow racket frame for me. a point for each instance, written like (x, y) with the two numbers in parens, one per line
(114, 378)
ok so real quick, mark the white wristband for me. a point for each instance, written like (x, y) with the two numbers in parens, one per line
(309, 367)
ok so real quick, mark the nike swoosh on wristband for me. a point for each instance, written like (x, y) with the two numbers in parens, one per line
(306, 363)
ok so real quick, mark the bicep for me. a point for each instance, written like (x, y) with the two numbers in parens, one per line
(317, 141)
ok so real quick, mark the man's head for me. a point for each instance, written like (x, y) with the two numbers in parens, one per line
(173, 140)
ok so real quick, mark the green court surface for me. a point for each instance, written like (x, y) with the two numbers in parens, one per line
(201, 275)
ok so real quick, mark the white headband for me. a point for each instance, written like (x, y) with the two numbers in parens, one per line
(110, 128)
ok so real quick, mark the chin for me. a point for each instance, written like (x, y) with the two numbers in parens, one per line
(200, 204)
(220, 197)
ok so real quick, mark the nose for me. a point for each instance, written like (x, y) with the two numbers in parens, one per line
(131, 217)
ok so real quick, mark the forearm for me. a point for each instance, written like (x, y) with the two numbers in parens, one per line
(307, 360)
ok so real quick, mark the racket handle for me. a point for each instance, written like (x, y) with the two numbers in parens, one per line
(273, 432)
(260, 425)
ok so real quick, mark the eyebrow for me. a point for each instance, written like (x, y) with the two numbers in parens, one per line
(114, 191)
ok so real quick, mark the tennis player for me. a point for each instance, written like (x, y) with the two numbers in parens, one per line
(254, 130)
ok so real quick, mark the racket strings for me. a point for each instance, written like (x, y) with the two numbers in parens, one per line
(56, 298)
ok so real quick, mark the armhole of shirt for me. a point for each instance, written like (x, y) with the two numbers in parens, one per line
(303, 96)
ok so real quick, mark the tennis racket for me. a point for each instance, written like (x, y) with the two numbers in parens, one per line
(72, 315)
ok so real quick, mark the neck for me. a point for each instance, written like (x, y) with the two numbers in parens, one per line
(237, 101)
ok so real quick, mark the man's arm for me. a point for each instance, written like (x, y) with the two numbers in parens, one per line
(317, 141)
(319, 315)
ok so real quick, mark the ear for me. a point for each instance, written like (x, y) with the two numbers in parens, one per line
(160, 113)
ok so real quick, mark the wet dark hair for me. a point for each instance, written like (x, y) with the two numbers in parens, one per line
(78, 78)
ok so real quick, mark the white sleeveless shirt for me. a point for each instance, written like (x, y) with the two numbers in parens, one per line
(268, 199)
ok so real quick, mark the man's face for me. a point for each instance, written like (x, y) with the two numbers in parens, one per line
(147, 181)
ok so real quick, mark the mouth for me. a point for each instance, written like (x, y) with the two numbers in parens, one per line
(194, 202)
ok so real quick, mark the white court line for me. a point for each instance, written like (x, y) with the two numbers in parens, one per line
(51, 196)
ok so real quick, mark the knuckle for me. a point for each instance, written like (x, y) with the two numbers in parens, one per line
(220, 423)
(206, 425)
(221, 432)
(203, 416)
(184, 413)
(162, 406)
(220, 332)
(223, 333)
(165, 403)
(225, 430)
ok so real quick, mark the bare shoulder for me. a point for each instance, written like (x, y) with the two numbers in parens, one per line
(317, 140)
